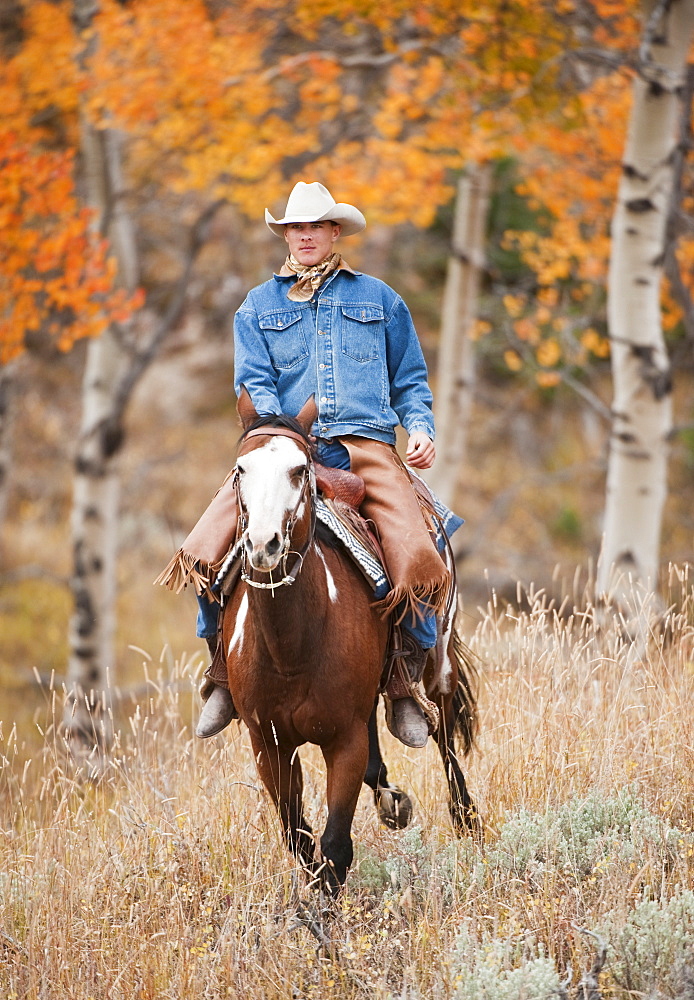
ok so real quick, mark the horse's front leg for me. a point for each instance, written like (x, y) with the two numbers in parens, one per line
(394, 806)
(280, 771)
(345, 761)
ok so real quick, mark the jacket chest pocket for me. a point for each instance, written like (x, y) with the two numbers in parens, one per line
(285, 337)
(361, 331)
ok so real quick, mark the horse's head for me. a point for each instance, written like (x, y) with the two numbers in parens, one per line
(274, 482)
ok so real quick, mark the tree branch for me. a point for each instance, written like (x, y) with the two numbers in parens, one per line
(143, 358)
(643, 63)
(359, 60)
(652, 71)
(600, 57)
(648, 38)
(588, 396)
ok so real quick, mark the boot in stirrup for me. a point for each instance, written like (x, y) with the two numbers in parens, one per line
(218, 710)
(404, 715)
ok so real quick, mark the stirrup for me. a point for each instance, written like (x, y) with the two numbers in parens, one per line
(404, 672)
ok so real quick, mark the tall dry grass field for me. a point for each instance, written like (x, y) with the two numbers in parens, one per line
(169, 878)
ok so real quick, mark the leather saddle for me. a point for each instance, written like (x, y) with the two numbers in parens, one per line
(338, 484)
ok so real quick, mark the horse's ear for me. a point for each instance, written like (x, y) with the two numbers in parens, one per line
(246, 411)
(308, 413)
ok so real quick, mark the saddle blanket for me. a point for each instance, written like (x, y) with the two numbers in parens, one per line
(447, 523)
(370, 566)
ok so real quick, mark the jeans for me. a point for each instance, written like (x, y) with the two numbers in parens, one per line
(334, 454)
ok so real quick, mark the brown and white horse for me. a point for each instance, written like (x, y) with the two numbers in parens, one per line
(305, 651)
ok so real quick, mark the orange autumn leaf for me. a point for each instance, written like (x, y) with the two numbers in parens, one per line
(56, 273)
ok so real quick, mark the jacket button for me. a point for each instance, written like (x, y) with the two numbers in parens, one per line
(321, 333)
(324, 399)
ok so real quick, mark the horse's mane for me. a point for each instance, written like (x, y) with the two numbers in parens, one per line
(277, 420)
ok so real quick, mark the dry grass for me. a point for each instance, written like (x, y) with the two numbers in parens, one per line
(169, 879)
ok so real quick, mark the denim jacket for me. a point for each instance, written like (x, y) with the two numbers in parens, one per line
(353, 345)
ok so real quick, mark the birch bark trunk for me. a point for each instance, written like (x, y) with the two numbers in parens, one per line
(87, 718)
(642, 405)
(115, 363)
(455, 373)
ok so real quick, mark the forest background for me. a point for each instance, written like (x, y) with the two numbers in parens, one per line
(141, 143)
(525, 170)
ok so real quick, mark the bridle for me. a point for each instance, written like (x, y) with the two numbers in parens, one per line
(306, 494)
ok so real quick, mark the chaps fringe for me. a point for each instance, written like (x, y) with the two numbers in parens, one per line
(416, 599)
(183, 569)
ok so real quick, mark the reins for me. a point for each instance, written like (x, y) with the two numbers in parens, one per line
(305, 494)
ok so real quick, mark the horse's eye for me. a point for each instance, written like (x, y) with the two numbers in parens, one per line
(298, 473)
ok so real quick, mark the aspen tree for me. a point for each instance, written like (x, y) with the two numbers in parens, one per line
(642, 406)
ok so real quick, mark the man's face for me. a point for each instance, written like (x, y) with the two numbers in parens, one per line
(311, 242)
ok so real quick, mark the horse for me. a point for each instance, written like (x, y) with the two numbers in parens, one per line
(305, 650)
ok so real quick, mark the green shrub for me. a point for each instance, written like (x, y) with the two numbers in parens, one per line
(416, 866)
(583, 836)
(652, 949)
(502, 970)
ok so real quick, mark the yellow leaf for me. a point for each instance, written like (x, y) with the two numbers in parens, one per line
(548, 353)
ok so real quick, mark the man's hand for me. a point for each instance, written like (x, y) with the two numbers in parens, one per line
(420, 452)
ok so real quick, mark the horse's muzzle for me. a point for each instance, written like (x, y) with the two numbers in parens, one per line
(265, 556)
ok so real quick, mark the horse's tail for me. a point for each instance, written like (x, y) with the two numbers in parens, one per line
(465, 715)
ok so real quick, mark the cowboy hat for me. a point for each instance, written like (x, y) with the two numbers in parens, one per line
(314, 203)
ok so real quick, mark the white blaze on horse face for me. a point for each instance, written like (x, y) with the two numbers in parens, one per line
(270, 490)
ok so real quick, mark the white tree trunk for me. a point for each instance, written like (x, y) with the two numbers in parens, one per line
(115, 363)
(95, 499)
(642, 407)
(455, 373)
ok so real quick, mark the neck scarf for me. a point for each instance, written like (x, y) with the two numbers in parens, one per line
(310, 278)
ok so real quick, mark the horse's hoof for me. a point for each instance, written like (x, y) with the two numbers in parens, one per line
(394, 808)
(218, 711)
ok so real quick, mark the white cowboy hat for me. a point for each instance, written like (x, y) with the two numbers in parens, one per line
(314, 203)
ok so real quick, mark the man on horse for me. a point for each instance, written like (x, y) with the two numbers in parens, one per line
(320, 328)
